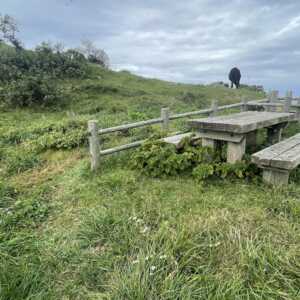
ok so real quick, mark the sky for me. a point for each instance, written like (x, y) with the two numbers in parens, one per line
(194, 41)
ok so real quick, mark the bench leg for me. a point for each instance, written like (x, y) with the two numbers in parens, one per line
(235, 151)
(275, 177)
(251, 138)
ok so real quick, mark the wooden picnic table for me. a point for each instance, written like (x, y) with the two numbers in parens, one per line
(237, 128)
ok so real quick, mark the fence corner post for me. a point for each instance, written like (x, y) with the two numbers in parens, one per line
(244, 104)
(214, 108)
(288, 101)
(94, 144)
(165, 115)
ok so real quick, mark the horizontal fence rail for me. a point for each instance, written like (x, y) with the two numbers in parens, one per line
(269, 104)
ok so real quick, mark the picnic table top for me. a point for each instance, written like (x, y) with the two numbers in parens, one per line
(242, 122)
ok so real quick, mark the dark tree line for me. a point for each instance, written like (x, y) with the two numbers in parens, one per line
(26, 75)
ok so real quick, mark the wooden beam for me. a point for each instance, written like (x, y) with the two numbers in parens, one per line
(94, 144)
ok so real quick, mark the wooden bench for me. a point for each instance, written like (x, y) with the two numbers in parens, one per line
(177, 140)
(278, 160)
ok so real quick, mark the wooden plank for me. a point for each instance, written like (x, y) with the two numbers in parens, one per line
(288, 160)
(221, 136)
(242, 122)
(122, 148)
(130, 126)
(284, 155)
(177, 140)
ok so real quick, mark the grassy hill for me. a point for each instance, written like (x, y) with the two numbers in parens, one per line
(66, 233)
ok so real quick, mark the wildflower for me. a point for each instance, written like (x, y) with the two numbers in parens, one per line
(163, 257)
(145, 230)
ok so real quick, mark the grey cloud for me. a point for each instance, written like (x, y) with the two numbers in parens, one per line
(190, 41)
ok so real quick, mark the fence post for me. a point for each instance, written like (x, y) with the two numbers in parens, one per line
(214, 107)
(273, 95)
(165, 115)
(94, 144)
(288, 101)
(244, 102)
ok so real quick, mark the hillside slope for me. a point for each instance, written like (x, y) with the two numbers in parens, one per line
(66, 233)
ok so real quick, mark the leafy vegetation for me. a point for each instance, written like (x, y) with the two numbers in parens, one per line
(66, 233)
(156, 158)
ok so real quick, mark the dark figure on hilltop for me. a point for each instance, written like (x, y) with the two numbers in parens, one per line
(235, 77)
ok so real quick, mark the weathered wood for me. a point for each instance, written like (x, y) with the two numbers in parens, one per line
(94, 144)
(235, 151)
(273, 100)
(221, 136)
(122, 148)
(284, 155)
(165, 116)
(139, 143)
(214, 108)
(209, 143)
(205, 111)
(242, 122)
(177, 140)
(130, 126)
(244, 102)
(251, 139)
(289, 94)
(288, 101)
(275, 177)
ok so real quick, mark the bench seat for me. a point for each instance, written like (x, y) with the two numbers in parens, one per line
(278, 160)
(177, 140)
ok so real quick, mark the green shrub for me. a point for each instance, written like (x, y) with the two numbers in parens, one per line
(156, 158)
(33, 91)
(44, 60)
(65, 134)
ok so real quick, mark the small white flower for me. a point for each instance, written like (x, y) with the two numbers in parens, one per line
(152, 268)
(148, 257)
(145, 230)
(163, 257)
(135, 262)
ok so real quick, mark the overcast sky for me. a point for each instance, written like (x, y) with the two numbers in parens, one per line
(194, 41)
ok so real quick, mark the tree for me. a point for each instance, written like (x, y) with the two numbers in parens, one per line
(8, 30)
(94, 54)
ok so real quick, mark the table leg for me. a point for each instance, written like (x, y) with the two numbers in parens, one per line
(251, 139)
(235, 151)
(206, 142)
(274, 134)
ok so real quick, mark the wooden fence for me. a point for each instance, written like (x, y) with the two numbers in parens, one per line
(270, 104)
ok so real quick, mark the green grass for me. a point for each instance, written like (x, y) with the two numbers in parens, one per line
(66, 233)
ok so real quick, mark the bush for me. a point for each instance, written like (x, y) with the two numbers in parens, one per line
(156, 158)
(44, 61)
(32, 91)
(65, 134)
